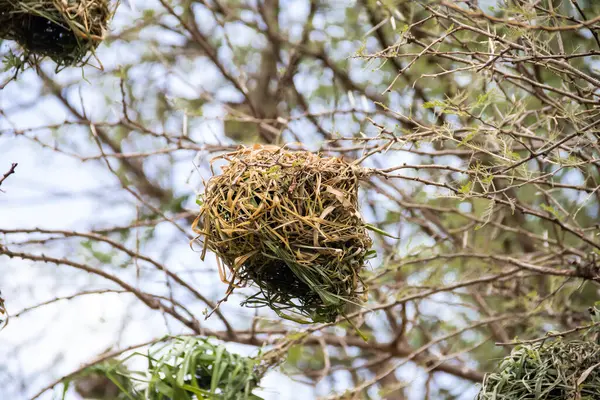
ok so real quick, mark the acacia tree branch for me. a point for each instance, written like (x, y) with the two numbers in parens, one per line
(134, 255)
(9, 173)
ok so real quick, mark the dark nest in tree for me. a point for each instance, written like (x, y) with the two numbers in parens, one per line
(549, 371)
(64, 30)
(288, 222)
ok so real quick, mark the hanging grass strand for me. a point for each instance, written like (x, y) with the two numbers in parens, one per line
(288, 222)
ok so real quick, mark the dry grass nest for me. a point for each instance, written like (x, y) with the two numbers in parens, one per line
(549, 371)
(288, 222)
(64, 30)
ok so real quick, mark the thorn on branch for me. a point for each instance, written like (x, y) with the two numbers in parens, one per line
(9, 173)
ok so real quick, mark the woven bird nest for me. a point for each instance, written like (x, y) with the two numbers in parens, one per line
(288, 222)
(195, 368)
(184, 368)
(550, 371)
(64, 30)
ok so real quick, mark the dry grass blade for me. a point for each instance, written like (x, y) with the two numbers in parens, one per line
(549, 371)
(64, 30)
(288, 222)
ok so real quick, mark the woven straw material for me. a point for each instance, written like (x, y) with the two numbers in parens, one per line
(64, 30)
(550, 371)
(288, 222)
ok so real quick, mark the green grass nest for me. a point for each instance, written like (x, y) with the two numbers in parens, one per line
(64, 30)
(549, 371)
(185, 368)
(288, 222)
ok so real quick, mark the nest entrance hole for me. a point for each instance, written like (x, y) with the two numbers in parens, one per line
(45, 37)
(278, 277)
